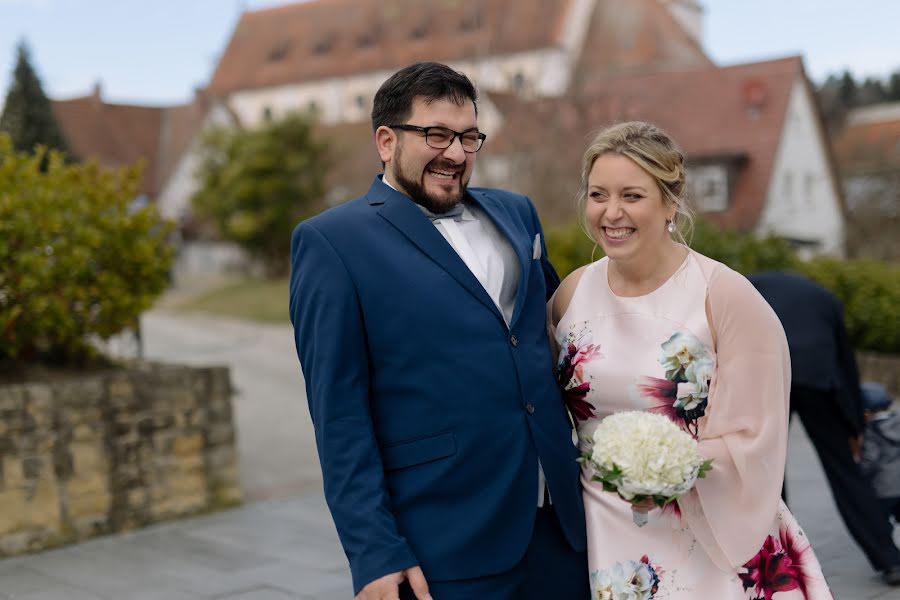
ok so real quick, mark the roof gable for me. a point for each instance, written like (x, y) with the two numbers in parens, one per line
(729, 113)
(117, 135)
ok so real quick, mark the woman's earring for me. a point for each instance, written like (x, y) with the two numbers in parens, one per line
(671, 226)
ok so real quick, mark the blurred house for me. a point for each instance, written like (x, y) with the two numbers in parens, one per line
(160, 138)
(758, 158)
(330, 56)
(867, 151)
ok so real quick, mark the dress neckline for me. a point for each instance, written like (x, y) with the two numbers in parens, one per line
(679, 269)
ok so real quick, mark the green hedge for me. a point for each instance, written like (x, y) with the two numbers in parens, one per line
(78, 259)
(869, 290)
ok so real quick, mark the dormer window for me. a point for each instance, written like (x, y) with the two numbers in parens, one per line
(367, 39)
(279, 51)
(324, 45)
(471, 21)
(419, 31)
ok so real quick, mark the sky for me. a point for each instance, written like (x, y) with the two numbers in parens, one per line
(156, 52)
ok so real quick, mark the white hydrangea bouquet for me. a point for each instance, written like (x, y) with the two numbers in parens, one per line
(642, 455)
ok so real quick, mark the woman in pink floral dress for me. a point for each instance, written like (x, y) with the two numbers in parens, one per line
(655, 326)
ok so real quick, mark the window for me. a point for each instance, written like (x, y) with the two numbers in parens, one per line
(419, 31)
(324, 45)
(471, 21)
(708, 188)
(518, 82)
(267, 114)
(360, 102)
(366, 39)
(279, 51)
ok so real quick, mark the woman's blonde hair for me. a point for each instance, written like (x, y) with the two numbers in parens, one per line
(656, 153)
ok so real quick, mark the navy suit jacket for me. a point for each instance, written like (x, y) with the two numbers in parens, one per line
(430, 413)
(822, 356)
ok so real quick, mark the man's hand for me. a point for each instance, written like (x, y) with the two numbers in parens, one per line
(388, 587)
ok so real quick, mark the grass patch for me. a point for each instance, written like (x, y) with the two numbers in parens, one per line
(249, 299)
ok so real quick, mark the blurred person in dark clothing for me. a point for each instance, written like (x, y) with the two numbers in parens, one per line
(880, 461)
(825, 394)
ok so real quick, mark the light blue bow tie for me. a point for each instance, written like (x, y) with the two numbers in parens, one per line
(455, 213)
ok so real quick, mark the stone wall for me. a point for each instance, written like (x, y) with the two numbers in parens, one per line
(883, 368)
(110, 451)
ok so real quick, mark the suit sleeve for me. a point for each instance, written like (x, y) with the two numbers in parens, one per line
(551, 278)
(744, 431)
(849, 371)
(329, 333)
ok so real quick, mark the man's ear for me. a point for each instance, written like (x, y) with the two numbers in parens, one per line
(385, 142)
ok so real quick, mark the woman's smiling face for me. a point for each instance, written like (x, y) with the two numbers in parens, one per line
(625, 209)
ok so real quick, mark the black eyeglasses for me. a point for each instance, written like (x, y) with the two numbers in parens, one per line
(441, 138)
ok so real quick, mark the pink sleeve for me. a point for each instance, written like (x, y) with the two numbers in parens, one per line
(733, 508)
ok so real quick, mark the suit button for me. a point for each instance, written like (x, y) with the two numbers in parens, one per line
(513, 340)
(529, 408)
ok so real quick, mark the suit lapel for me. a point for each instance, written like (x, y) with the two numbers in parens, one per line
(499, 214)
(408, 219)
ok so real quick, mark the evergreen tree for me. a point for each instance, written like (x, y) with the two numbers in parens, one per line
(870, 92)
(894, 87)
(27, 115)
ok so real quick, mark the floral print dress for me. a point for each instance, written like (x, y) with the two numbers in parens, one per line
(731, 537)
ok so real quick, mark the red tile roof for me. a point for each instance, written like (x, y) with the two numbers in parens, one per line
(868, 146)
(333, 38)
(116, 135)
(729, 113)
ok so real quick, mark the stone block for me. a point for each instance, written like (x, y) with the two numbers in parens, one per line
(185, 445)
(39, 405)
(88, 499)
(12, 398)
(13, 473)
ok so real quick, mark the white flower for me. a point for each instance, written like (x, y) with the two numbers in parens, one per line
(629, 581)
(700, 372)
(689, 396)
(655, 457)
(679, 351)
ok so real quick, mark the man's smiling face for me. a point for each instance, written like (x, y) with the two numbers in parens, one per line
(435, 179)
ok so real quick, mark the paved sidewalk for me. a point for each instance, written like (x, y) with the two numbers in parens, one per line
(271, 550)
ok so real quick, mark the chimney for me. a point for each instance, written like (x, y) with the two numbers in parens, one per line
(97, 92)
(754, 94)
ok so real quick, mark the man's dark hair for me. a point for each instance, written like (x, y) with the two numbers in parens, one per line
(427, 80)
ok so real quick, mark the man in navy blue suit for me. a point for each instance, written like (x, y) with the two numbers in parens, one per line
(419, 318)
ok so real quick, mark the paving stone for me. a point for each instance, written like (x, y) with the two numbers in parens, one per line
(259, 593)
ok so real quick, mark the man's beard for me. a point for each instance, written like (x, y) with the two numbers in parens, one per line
(416, 190)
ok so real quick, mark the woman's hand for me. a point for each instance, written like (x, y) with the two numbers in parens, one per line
(644, 506)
